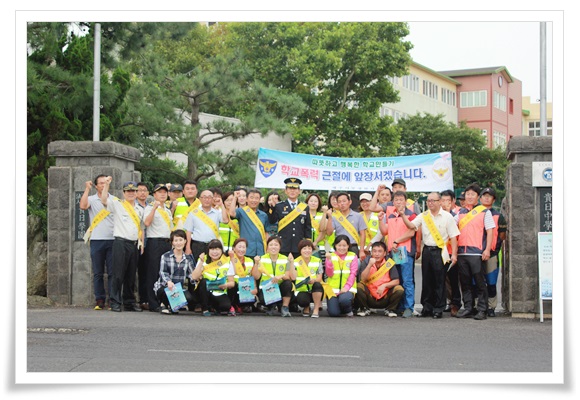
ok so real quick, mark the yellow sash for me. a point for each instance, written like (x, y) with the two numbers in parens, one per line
(133, 214)
(472, 214)
(380, 272)
(216, 264)
(428, 218)
(96, 221)
(254, 218)
(240, 270)
(315, 224)
(199, 213)
(165, 218)
(234, 227)
(263, 270)
(291, 216)
(328, 292)
(347, 226)
(192, 207)
(304, 270)
(370, 234)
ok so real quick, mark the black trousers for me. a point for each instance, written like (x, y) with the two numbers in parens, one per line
(433, 295)
(305, 298)
(142, 277)
(161, 297)
(125, 259)
(452, 286)
(470, 270)
(153, 251)
(208, 300)
(197, 248)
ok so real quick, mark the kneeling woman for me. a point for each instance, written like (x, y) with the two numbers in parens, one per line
(243, 268)
(175, 267)
(308, 278)
(341, 269)
(278, 268)
(211, 270)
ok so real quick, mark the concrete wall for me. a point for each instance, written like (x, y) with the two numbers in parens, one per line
(520, 290)
(69, 271)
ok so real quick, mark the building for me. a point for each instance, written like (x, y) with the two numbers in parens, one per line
(531, 118)
(490, 99)
(423, 91)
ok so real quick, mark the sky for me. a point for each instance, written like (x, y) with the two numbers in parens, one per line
(444, 46)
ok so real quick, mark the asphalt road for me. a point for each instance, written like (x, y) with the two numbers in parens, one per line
(83, 340)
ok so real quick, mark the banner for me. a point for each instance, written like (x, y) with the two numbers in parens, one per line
(422, 173)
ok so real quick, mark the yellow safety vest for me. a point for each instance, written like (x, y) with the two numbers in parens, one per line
(341, 272)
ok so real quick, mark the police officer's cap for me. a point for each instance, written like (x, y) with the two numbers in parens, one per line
(131, 185)
(293, 183)
(490, 191)
(461, 196)
(159, 186)
(176, 188)
(399, 181)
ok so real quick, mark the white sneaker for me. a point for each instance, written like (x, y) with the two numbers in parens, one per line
(363, 313)
(390, 314)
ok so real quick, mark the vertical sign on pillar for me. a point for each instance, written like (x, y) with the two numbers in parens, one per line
(545, 209)
(81, 219)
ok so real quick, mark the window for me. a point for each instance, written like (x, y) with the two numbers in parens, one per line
(473, 99)
(499, 139)
(393, 79)
(511, 106)
(430, 89)
(384, 111)
(411, 82)
(499, 101)
(534, 128)
(448, 96)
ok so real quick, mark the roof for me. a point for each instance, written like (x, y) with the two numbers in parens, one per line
(439, 74)
(478, 71)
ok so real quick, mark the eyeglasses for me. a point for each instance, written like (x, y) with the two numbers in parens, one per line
(206, 197)
(432, 201)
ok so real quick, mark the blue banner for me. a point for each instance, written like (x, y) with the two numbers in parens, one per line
(422, 173)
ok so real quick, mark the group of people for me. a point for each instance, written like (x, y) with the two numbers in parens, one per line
(236, 252)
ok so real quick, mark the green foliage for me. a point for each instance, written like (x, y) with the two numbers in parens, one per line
(181, 79)
(340, 71)
(471, 159)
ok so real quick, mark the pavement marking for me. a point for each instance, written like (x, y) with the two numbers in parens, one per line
(57, 330)
(243, 353)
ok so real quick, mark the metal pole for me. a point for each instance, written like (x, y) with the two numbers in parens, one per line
(97, 84)
(543, 124)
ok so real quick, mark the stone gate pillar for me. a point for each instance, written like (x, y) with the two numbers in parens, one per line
(525, 217)
(69, 271)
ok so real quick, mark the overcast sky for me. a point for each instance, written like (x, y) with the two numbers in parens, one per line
(461, 45)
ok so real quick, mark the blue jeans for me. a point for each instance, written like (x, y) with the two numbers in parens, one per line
(341, 304)
(407, 280)
(101, 256)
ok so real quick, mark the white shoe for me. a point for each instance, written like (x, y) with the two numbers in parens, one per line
(363, 313)
(390, 314)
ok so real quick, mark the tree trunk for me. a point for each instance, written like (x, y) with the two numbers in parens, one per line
(193, 158)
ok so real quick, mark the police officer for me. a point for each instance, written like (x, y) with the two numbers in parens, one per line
(128, 233)
(292, 218)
